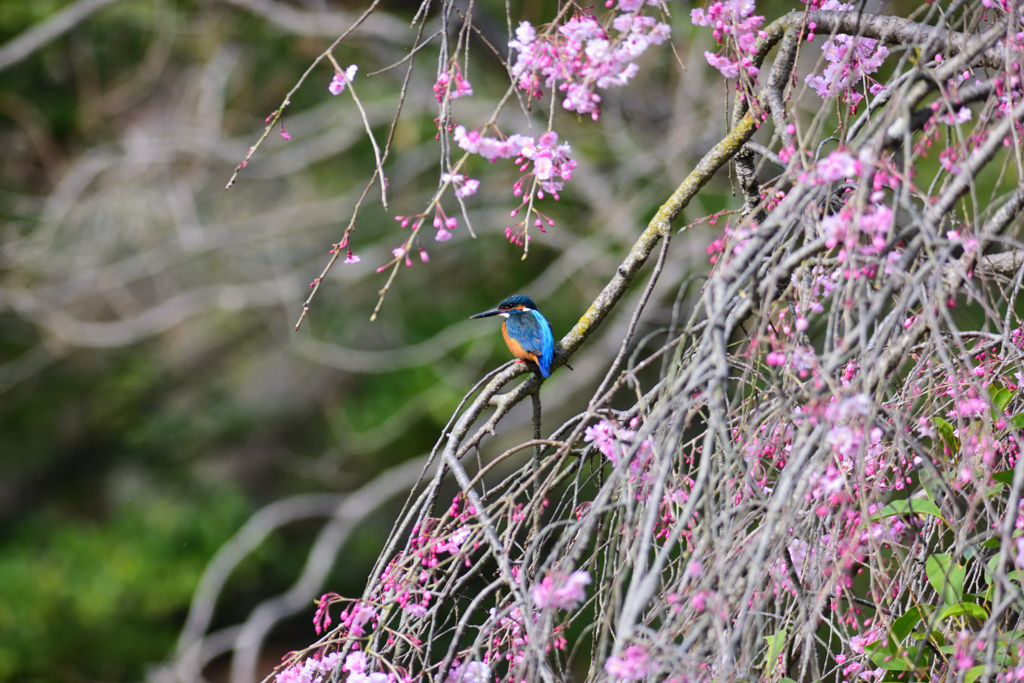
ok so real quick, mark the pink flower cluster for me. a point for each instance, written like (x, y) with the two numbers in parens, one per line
(463, 88)
(582, 56)
(341, 79)
(550, 161)
(465, 187)
(845, 229)
(971, 406)
(355, 665)
(355, 619)
(560, 591)
(850, 61)
(613, 442)
(837, 166)
(408, 583)
(313, 670)
(453, 544)
(735, 19)
(509, 634)
(470, 672)
(804, 567)
(633, 664)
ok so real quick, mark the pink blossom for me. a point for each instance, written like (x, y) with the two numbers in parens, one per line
(312, 670)
(355, 663)
(469, 188)
(487, 147)
(561, 592)
(850, 60)
(525, 35)
(352, 258)
(603, 436)
(962, 115)
(454, 542)
(969, 407)
(875, 223)
(471, 672)
(465, 186)
(858, 643)
(551, 164)
(584, 56)
(463, 88)
(735, 19)
(849, 408)
(376, 677)
(357, 618)
(342, 78)
(837, 166)
(415, 609)
(631, 665)
(727, 67)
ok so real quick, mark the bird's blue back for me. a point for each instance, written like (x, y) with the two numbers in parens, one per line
(533, 332)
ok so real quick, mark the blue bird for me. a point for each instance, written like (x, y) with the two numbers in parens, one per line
(526, 331)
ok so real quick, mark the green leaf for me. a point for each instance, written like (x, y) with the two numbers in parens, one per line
(945, 431)
(946, 577)
(1005, 477)
(775, 645)
(909, 506)
(968, 609)
(1016, 422)
(1000, 399)
(990, 566)
(902, 627)
(998, 541)
(891, 662)
(973, 673)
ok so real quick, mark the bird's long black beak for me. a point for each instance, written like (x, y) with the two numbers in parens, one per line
(486, 314)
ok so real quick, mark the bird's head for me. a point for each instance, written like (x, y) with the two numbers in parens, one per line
(516, 302)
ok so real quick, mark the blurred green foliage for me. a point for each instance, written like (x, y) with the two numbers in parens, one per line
(100, 598)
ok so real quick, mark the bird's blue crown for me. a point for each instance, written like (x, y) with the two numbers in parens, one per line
(517, 300)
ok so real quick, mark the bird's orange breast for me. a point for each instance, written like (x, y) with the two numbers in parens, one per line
(515, 347)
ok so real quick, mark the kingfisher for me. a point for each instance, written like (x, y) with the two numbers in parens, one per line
(526, 331)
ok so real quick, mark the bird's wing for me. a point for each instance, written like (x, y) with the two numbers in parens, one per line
(531, 330)
(547, 340)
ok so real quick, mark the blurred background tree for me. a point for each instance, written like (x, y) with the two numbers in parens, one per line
(153, 394)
